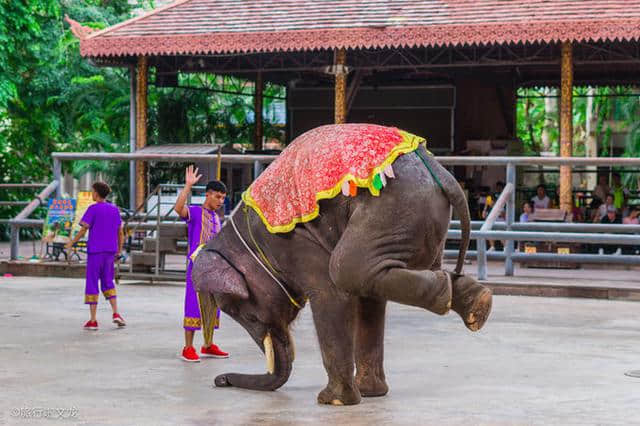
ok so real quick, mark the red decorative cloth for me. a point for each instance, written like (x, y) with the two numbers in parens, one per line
(322, 163)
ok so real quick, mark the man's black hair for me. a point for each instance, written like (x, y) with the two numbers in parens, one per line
(102, 189)
(217, 186)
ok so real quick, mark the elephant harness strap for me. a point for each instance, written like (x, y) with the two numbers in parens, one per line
(262, 261)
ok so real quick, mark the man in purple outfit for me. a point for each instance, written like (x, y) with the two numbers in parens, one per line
(103, 221)
(203, 224)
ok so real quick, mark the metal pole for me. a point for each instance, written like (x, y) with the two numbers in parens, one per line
(447, 161)
(482, 258)
(57, 176)
(158, 219)
(511, 212)
(488, 224)
(15, 241)
(558, 237)
(257, 169)
(132, 136)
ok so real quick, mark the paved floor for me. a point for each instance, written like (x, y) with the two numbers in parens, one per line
(538, 361)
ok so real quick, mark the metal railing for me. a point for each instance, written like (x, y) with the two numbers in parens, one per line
(508, 231)
(12, 203)
(546, 232)
(22, 219)
(148, 221)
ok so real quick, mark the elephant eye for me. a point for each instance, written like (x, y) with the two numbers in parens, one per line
(252, 318)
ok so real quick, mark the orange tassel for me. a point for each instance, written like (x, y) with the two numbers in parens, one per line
(353, 189)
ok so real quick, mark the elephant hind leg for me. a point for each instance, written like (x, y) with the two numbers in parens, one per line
(431, 290)
(370, 377)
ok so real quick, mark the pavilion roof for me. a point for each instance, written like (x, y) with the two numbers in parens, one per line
(202, 27)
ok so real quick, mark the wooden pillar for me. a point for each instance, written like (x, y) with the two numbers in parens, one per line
(257, 103)
(566, 125)
(141, 127)
(340, 71)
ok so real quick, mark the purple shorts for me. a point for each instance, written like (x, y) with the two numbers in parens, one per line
(99, 267)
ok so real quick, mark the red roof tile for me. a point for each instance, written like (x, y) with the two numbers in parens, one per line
(229, 26)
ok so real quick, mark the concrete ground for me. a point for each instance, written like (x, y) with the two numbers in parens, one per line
(538, 361)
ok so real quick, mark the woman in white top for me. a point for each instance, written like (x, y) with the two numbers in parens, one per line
(540, 201)
(602, 210)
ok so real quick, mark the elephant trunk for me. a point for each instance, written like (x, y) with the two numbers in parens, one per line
(458, 201)
(278, 352)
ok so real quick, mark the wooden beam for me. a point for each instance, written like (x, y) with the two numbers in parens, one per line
(340, 110)
(566, 125)
(257, 106)
(141, 127)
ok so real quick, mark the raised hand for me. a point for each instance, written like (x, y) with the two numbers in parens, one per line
(191, 176)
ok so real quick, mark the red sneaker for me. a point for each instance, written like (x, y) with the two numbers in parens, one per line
(189, 354)
(212, 351)
(117, 319)
(91, 325)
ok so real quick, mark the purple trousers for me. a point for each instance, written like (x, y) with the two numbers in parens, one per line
(99, 268)
(192, 317)
(191, 306)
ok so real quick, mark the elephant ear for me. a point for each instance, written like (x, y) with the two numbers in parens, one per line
(212, 273)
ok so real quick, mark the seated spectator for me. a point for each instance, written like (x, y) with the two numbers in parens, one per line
(604, 208)
(620, 194)
(611, 216)
(632, 219)
(482, 199)
(526, 212)
(602, 189)
(499, 189)
(576, 214)
(541, 201)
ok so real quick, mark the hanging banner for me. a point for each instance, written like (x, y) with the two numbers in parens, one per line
(83, 202)
(57, 225)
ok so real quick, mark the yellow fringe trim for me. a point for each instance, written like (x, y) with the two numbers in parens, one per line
(109, 293)
(90, 298)
(409, 144)
(191, 322)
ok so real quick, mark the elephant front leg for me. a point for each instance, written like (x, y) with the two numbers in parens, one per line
(370, 377)
(334, 315)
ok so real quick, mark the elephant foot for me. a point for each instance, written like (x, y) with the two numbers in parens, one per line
(472, 302)
(371, 386)
(339, 395)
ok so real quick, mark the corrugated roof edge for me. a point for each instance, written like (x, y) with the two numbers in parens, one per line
(365, 38)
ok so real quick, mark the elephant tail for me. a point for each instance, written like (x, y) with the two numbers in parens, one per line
(458, 201)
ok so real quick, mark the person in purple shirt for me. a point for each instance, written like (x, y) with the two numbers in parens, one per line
(103, 221)
(203, 224)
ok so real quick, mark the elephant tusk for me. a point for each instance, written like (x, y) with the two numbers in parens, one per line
(293, 345)
(268, 352)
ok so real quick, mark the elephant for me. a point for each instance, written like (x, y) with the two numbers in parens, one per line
(359, 253)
